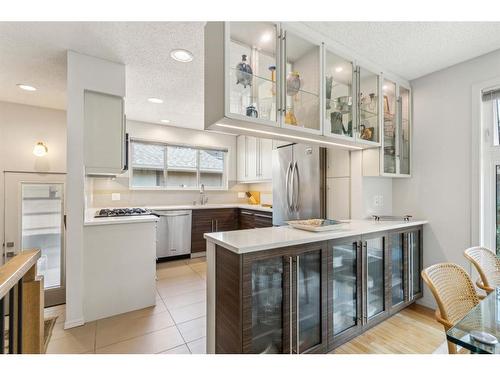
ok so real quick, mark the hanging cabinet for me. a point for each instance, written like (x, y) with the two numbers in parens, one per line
(270, 80)
(393, 157)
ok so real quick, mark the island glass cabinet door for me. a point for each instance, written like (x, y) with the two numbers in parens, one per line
(344, 290)
(414, 251)
(308, 329)
(398, 265)
(374, 278)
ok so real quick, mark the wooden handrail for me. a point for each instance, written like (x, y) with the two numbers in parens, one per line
(26, 306)
(12, 271)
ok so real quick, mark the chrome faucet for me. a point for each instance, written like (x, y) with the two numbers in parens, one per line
(203, 195)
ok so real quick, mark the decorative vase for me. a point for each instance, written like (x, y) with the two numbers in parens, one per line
(290, 117)
(244, 72)
(292, 83)
(272, 68)
(251, 111)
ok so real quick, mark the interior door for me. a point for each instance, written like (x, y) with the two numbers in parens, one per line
(34, 218)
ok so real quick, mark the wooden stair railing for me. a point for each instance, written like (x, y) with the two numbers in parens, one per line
(25, 302)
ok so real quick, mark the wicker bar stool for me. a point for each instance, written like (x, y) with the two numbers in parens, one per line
(487, 265)
(454, 293)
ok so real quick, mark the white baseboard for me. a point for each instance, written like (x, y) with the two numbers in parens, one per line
(199, 255)
(73, 323)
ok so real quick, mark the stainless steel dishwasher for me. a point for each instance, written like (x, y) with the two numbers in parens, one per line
(173, 233)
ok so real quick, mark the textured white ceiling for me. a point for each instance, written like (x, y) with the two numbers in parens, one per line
(35, 54)
(414, 49)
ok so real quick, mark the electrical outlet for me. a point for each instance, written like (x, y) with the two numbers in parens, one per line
(241, 194)
(115, 196)
(378, 200)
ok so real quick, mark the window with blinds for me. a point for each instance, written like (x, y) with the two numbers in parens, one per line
(156, 166)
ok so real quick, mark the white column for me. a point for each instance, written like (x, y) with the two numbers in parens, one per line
(83, 73)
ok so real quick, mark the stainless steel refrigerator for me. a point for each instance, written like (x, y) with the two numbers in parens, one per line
(299, 183)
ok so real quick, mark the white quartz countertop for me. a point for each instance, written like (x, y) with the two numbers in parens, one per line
(212, 205)
(91, 220)
(250, 240)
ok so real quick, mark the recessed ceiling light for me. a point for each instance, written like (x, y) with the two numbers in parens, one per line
(165, 121)
(266, 37)
(155, 100)
(181, 55)
(26, 87)
(338, 69)
(384, 87)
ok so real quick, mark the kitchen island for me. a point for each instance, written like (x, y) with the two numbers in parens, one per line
(284, 290)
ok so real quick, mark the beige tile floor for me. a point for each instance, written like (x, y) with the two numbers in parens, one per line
(176, 325)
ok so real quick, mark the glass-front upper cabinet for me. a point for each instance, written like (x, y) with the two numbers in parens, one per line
(253, 61)
(389, 130)
(367, 105)
(404, 130)
(302, 70)
(338, 95)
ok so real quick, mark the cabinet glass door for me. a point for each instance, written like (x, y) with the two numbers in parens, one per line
(415, 266)
(397, 269)
(390, 125)
(308, 308)
(368, 105)
(404, 131)
(344, 286)
(252, 70)
(338, 95)
(375, 280)
(267, 305)
(302, 83)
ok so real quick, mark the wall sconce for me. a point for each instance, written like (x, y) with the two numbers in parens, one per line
(40, 149)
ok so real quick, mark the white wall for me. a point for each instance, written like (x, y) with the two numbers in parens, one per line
(21, 126)
(440, 189)
(102, 188)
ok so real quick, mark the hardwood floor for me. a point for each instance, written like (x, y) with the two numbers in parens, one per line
(412, 331)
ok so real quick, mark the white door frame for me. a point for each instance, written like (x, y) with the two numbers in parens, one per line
(53, 296)
(484, 157)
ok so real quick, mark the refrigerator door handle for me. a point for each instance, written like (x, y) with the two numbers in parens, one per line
(296, 193)
(287, 185)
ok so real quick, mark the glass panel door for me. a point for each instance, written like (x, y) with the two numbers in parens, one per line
(42, 223)
(368, 105)
(375, 280)
(308, 300)
(390, 124)
(302, 83)
(344, 286)
(397, 269)
(267, 305)
(338, 95)
(404, 132)
(415, 263)
(253, 70)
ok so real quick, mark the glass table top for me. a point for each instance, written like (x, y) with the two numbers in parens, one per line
(485, 317)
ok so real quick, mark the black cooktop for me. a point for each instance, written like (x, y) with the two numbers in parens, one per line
(112, 212)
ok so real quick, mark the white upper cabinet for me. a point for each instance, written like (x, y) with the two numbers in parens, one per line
(254, 159)
(393, 157)
(104, 134)
(278, 80)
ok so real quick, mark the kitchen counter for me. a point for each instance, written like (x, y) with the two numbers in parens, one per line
(256, 207)
(250, 240)
(91, 220)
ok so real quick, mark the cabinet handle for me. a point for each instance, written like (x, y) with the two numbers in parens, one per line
(216, 225)
(247, 213)
(290, 304)
(261, 215)
(297, 304)
(365, 312)
(246, 156)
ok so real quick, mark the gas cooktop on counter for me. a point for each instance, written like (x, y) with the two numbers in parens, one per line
(114, 212)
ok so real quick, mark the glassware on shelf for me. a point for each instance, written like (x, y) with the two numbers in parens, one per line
(251, 111)
(290, 117)
(293, 83)
(272, 69)
(244, 73)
